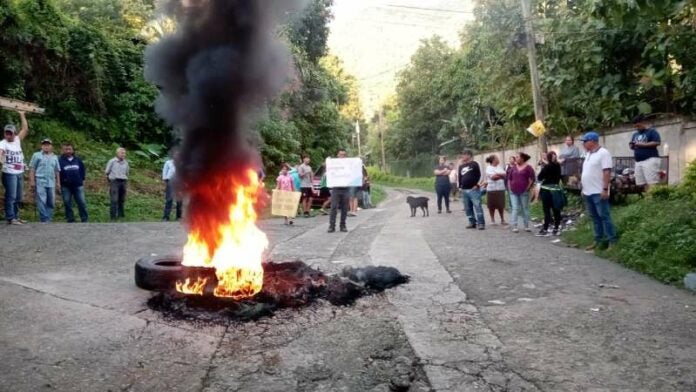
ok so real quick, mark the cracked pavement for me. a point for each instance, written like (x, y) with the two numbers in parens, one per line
(484, 311)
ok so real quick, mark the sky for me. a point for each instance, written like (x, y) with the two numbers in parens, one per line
(376, 38)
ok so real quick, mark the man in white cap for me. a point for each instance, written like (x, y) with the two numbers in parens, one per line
(12, 160)
(596, 184)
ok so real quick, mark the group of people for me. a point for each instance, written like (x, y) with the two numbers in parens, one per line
(300, 179)
(523, 184)
(48, 174)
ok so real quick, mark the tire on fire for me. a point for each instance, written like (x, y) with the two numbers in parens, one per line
(157, 272)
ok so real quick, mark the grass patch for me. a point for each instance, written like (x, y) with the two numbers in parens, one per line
(656, 233)
(378, 194)
(423, 183)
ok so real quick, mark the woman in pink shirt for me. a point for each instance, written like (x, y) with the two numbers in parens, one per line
(521, 178)
(284, 183)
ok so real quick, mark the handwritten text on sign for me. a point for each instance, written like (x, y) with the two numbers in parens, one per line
(284, 203)
(344, 172)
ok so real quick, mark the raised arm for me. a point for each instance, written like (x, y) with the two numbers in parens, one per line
(24, 129)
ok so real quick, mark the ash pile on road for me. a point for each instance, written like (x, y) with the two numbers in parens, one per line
(291, 284)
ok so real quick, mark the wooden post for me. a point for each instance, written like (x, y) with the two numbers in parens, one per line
(534, 70)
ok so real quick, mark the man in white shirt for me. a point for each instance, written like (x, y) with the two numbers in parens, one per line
(168, 172)
(12, 160)
(596, 179)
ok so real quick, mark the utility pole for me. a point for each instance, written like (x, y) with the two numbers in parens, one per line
(381, 140)
(357, 131)
(533, 70)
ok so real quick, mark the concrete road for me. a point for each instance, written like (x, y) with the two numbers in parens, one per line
(485, 311)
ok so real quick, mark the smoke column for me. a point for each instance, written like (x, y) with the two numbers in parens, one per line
(214, 73)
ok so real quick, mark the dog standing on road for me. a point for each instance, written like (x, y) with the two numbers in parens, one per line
(416, 202)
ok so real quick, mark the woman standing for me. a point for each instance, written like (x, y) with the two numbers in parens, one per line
(521, 179)
(568, 151)
(495, 177)
(442, 184)
(551, 194)
(285, 182)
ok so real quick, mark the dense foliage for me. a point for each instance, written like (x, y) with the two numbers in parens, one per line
(600, 62)
(83, 61)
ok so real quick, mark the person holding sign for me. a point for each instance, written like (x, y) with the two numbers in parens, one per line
(341, 174)
(285, 183)
(12, 160)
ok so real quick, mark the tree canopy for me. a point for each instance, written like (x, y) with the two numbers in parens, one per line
(601, 63)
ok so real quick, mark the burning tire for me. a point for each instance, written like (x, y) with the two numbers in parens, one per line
(157, 272)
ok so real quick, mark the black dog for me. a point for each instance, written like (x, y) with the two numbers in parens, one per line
(416, 202)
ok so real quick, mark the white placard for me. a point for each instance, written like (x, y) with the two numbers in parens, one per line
(344, 172)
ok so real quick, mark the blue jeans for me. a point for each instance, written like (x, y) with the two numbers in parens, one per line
(169, 201)
(13, 194)
(471, 198)
(45, 201)
(78, 193)
(598, 209)
(519, 202)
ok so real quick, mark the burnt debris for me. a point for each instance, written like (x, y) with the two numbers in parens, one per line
(290, 284)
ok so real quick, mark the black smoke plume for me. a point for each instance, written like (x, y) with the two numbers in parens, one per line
(220, 66)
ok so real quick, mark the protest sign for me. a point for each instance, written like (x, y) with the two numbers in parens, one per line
(344, 172)
(284, 203)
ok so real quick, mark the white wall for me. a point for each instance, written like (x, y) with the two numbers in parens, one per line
(678, 141)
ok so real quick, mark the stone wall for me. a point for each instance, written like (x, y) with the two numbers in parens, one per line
(678, 142)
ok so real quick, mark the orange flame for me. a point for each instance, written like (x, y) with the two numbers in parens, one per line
(233, 245)
(189, 287)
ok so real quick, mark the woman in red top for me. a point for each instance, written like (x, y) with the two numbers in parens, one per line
(520, 181)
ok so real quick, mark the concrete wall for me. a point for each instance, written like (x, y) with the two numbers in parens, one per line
(678, 141)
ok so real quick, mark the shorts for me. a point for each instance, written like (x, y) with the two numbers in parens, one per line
(306, 193)
(324, 193)
(353, 191)
(648, 171)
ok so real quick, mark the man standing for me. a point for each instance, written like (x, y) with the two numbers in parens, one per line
(306, 174)
(339, 199)
(117, 174)
(72, 179)
(469, 179)
(168, 172)
(12, 160)
(596, 177)
(644, 144)
(44, 172)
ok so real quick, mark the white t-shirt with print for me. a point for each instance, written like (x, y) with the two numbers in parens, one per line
(14, 157)
(593, 171)
(494, 185)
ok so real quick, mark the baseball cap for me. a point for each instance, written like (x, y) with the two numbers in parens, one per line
(46, 141)
(590, 136)
(10, 128)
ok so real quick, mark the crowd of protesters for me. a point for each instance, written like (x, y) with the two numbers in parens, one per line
(520, 183)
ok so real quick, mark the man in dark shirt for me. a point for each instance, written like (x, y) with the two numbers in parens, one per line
(644, 144)
(469, 178)
(72, 178)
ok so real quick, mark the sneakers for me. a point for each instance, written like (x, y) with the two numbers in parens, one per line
(331, 230)
(471, 227)
(439, 211)
(306, 215)
(344, 229)
(515, 230)
(556, 232)
(527, 229)
(15, 222)
(481, 227)
(543, 233)
(449, 211)
(352, 214)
